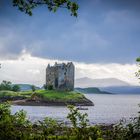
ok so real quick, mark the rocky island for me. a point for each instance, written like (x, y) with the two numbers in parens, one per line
(45, 98)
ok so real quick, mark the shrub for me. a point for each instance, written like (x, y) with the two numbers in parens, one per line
(81, 129)
(6, 85)
(45, 86)
(50, 87)
(33, 88)
(126, 130)
(12, 126)
(15, 88)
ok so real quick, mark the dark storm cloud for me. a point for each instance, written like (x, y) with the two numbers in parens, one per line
(105, 31)
(128, 4)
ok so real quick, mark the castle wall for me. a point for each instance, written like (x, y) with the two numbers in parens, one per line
(61, 76)
(51, 74)
(70, 75)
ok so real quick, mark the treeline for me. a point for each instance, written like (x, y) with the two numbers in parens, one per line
(18, 127)
(7, 85)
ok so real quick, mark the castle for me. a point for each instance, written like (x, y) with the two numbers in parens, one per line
(60, 76)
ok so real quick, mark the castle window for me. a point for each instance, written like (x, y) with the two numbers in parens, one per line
(56, 82)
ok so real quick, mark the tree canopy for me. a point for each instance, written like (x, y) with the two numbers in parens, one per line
(7, 85)
(27, 6)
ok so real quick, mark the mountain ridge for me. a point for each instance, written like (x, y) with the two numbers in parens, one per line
(91, 90)
(104, 82)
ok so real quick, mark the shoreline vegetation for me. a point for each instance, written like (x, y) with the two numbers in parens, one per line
(17, 126)
(45, 98)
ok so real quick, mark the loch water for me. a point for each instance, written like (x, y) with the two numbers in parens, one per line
(108, 109)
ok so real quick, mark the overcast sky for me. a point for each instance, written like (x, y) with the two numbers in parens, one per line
(103, 41)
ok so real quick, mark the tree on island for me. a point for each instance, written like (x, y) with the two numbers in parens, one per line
(27, 6)
(45, 86)
(7, 85)
(33, 88)
(16, 88)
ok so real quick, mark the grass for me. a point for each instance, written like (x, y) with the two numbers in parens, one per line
(53, 95)
(6, 93)
(49, 95)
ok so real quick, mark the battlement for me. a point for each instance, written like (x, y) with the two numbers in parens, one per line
(60, 76)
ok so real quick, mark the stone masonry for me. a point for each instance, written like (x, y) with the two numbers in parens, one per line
(60, 76)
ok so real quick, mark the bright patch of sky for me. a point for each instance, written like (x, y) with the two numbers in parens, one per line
(28, 69)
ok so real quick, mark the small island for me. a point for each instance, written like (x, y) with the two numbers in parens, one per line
(45, 98)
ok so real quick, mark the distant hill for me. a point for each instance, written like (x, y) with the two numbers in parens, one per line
(109, 85)
(26, 87)
(91, 90)
(122, 89)
(106, 82)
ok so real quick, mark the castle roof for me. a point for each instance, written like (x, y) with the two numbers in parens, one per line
(59, 65)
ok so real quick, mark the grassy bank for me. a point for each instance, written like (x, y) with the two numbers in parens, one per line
(6, 93)
(45, 97)
(60, 95)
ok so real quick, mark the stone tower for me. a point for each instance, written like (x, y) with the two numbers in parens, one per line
(61, 76)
